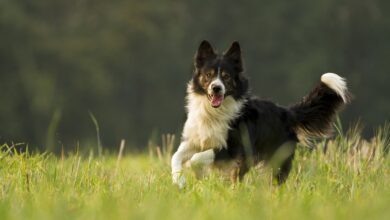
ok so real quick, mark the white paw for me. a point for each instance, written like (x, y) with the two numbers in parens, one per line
(202, 158)
(179, 179)
(196, 160)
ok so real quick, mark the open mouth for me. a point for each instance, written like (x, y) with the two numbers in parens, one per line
(216, 100)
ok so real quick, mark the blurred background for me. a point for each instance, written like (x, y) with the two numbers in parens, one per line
(127, 62)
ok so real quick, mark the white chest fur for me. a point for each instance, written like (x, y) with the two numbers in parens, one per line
(207, 127)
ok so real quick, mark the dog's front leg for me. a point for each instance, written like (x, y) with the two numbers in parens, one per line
(203, 158)
(201, 161)
(183, 153)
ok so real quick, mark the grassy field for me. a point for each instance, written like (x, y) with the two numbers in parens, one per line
(345, 178)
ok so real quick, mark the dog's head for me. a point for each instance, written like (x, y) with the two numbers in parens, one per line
(219, 75)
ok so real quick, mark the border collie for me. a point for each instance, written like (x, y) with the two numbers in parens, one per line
(225, 123)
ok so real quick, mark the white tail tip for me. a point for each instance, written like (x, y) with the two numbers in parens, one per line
(336, 83)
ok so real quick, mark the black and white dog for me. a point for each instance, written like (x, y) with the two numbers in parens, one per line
(226, 123)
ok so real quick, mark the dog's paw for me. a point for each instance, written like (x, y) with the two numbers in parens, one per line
(179, 180)
(196, 161)
(202, 158)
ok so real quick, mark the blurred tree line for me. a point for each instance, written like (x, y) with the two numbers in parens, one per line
(127, 62)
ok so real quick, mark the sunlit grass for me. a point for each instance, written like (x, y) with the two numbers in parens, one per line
(343, 178)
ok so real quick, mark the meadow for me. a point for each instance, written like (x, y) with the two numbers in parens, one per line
(346, 177)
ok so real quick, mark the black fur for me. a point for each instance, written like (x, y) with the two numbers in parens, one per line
(271, 129)
(230, 62)
(315, 113)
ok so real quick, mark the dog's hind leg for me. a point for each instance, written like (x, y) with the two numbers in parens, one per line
(284, 170)
(281, 161)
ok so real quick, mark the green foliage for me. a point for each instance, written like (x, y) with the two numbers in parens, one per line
(128, 61)
(345, 178)
(99, 143)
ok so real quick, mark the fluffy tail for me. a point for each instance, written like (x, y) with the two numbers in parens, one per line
(315, 113)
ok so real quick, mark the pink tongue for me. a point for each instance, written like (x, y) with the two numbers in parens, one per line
(216, 100)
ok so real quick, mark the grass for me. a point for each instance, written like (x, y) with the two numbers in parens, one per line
(345, 178)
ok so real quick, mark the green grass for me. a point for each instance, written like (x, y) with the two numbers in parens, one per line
(350, 181)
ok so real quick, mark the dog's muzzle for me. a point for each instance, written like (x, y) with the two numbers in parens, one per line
(216, 93)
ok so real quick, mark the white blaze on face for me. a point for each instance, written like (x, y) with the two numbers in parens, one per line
(216, 82)
(216, 98)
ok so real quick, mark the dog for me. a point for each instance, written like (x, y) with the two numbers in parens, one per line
(225, 123)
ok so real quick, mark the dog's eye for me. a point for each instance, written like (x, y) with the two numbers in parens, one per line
(225, 76)
(208, 74)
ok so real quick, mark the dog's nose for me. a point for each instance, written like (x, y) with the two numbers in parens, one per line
(216, 88)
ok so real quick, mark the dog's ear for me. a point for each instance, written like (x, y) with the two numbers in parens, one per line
(234, 54)
(205, 51)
